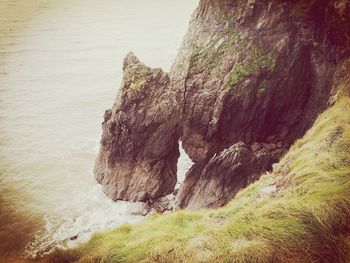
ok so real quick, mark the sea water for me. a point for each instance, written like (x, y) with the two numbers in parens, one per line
(60, 69)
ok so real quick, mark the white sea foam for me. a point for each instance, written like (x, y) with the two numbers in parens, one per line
(183, 165)
(96, 213)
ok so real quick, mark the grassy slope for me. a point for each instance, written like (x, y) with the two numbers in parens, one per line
(306, 219)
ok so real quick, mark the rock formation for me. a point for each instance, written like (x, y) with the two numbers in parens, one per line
(255, 72)
(139, 145)
(212, 182)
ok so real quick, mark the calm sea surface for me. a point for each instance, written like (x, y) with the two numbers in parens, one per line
(60, 68)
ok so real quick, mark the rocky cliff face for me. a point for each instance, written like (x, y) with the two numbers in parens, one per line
(139, 146)
(250, 78)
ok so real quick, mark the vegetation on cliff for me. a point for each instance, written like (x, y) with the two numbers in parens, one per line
(298, 213)
(250, 59)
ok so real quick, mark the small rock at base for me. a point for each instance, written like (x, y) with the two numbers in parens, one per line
(73, 237)
(255, 147)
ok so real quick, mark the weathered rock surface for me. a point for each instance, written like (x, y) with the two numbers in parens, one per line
(256, 72)
(259, 72)
(249, 70)
(212, 182)
(139, 147)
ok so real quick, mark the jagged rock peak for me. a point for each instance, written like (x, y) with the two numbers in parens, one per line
(139, 145)
(130, 60)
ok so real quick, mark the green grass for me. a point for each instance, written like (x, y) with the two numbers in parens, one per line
(306, 219)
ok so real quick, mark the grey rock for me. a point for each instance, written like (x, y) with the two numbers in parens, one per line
(214, 181)
(139, 146)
